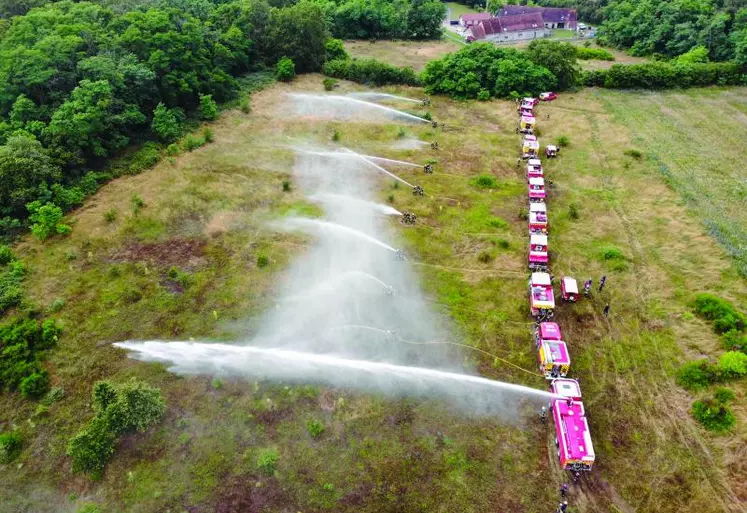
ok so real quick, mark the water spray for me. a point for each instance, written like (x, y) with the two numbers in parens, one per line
(345, 99)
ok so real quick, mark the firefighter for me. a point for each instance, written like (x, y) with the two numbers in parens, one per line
(418, 191)
(606, 311)
(564, 491)
(562, 506)
(543, 414)
(602, 282)
(587, 288)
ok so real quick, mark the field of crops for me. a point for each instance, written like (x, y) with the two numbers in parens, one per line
(235, 446)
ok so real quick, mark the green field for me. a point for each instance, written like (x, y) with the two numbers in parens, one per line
(459, 9)
(206, 216)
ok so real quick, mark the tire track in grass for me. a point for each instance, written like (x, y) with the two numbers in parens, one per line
(658, 395)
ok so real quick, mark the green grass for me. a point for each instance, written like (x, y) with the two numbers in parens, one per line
(242, 443)
(563, 34)
(458, 9)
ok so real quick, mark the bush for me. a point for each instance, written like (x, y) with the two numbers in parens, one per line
(329, 83)
(484, 257)
(262, 261)
(54, 395)
(574, 211)
(10, 447)
(483, 95)
(336, 135)
(612, 253)
(145, 158)
(562, 141)
(208, 107)
(245, 105)
(137, 202)
(485, 182)
(267, 461)
(11, 292)
(335, 49)
(35, 385)
(661, 75)
(208, 135)
(633, 153)
(166, 123)
(286, 186)
(6, 255)
(723, 314)
(285, 70)
(732, 365)
(713, 415)
(315, 428)
(192, 142)
(110, 215)
(46, 220)
(370, 72)
(132, 406)
(696, 375)
(734, 340)
(597, 54)
(172, 150)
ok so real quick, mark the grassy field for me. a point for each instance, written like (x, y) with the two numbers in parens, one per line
(206, 215)
(457, 10)
(415, 54)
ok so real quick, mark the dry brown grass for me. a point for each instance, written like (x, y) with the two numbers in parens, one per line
(415, 54)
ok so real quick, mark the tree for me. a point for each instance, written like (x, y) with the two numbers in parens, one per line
(559, 58)
(424, 19)
(299, 33)
(208, 107)
(46, 220)
(165, 123)
(24, 166)
(285, 70)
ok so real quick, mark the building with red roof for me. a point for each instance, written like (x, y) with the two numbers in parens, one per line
(552, 17)
(509, 28)
(468, 20)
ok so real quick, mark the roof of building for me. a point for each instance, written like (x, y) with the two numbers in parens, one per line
(507, 24)
(479, 16)
(549, 14)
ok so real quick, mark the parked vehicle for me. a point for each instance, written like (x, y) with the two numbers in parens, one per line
(541, 297)
(551, 151)
(538, 256)
(529, 148)
(572, 435)
(526, 124)
(554, 359)
(569, 289)
(548, 96)
(538, 218)
(536, 188)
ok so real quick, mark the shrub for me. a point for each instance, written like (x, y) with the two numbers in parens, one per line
(245, 105)
(192, 142)
(10, 447)
(285, 70)
(208, 107)
(734, 340)
(54, 395)
(6, 255)
(597, 54)
(132, 406)
(696, 375)
(723, 314)
(329, 83)
(267, 461)
(401, 133)
(286, 186)
(35, 385)
(483, 95)
(713, 415)
(732, 364)
(262, 261)
(208, 135)
(724, 395)
(574, 211)
(503, 243)
(315, 428)
(485, 182)
(633, 153)
(110, 215)
(11, 292)
(661, 75)
(611, 253)
(89, 508)
(336, 135)
(335, 49)
(166, 123)
(562, 141)
(172, 149)
(484, 257)
(46, 220)
(370, 72)
(137, 202)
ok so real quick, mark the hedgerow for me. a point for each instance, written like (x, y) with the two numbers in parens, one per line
(598, 54)
(370, 72)
(664, 75)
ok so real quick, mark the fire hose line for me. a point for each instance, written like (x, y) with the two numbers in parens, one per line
(436, 342)
(463, 269)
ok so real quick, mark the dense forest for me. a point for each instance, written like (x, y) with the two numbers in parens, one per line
(80, 81)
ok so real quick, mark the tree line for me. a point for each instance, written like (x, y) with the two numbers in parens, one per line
(81, 81)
